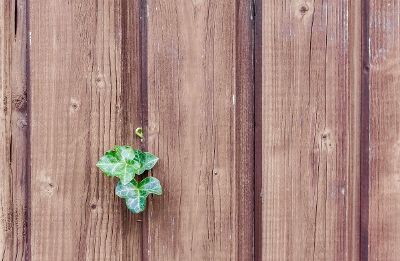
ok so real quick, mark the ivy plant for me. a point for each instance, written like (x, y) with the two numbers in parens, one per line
(126, 164)
(135, 193)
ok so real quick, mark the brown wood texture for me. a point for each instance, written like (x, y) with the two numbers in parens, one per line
(276, 125)
(13, 132)
(81, 106)
(195, 85)
(244, 127)
(310, 117)
(384, 122)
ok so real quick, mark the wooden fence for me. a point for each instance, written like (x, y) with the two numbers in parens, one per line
(277, 124)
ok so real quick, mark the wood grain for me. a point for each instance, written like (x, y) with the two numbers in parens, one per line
(14, 131)
(193, 119)
(268, 130)
(364, 134)
(244, 140)
(384, 151)
(81, 107)
(133, 113)
(310, 131)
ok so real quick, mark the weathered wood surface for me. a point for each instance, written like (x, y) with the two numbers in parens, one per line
(244, 127)
(268, 128)
(310, 131)
(194, 126)
(14, 144)
(384, 122)
(81, 106)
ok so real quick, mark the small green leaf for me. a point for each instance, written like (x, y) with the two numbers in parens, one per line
(135, 194)
(120, 162)
(125, 152)
(151, 185)
(126, 191)
(110, 164)
(137, 204)
(148, 161)
(127, 176)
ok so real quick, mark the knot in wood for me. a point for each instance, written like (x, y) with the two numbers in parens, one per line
(19, 102)
(304, 9)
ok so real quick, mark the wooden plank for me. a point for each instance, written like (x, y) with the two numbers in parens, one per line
(133, 113)
(14, 233)
(244, 140)
(193, 126)
(81, 106)
(365, 134)
(310, 131)
(384, 151)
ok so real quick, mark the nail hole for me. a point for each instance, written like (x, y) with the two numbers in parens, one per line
(74, 104)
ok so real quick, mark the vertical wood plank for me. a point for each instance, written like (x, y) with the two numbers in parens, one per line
(193, 126)
(384, 168)
(310, 131)
(244, 113)
(14, 131)
(133, 113)
(365, 134)
(81, 107)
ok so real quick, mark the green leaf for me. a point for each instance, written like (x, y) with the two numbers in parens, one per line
(151, 185)
(121, 162)
(127, 176)
(126, 153)
(135, 194)
(126, 191)
(110, 164)
(137, 204)
(148, 161)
